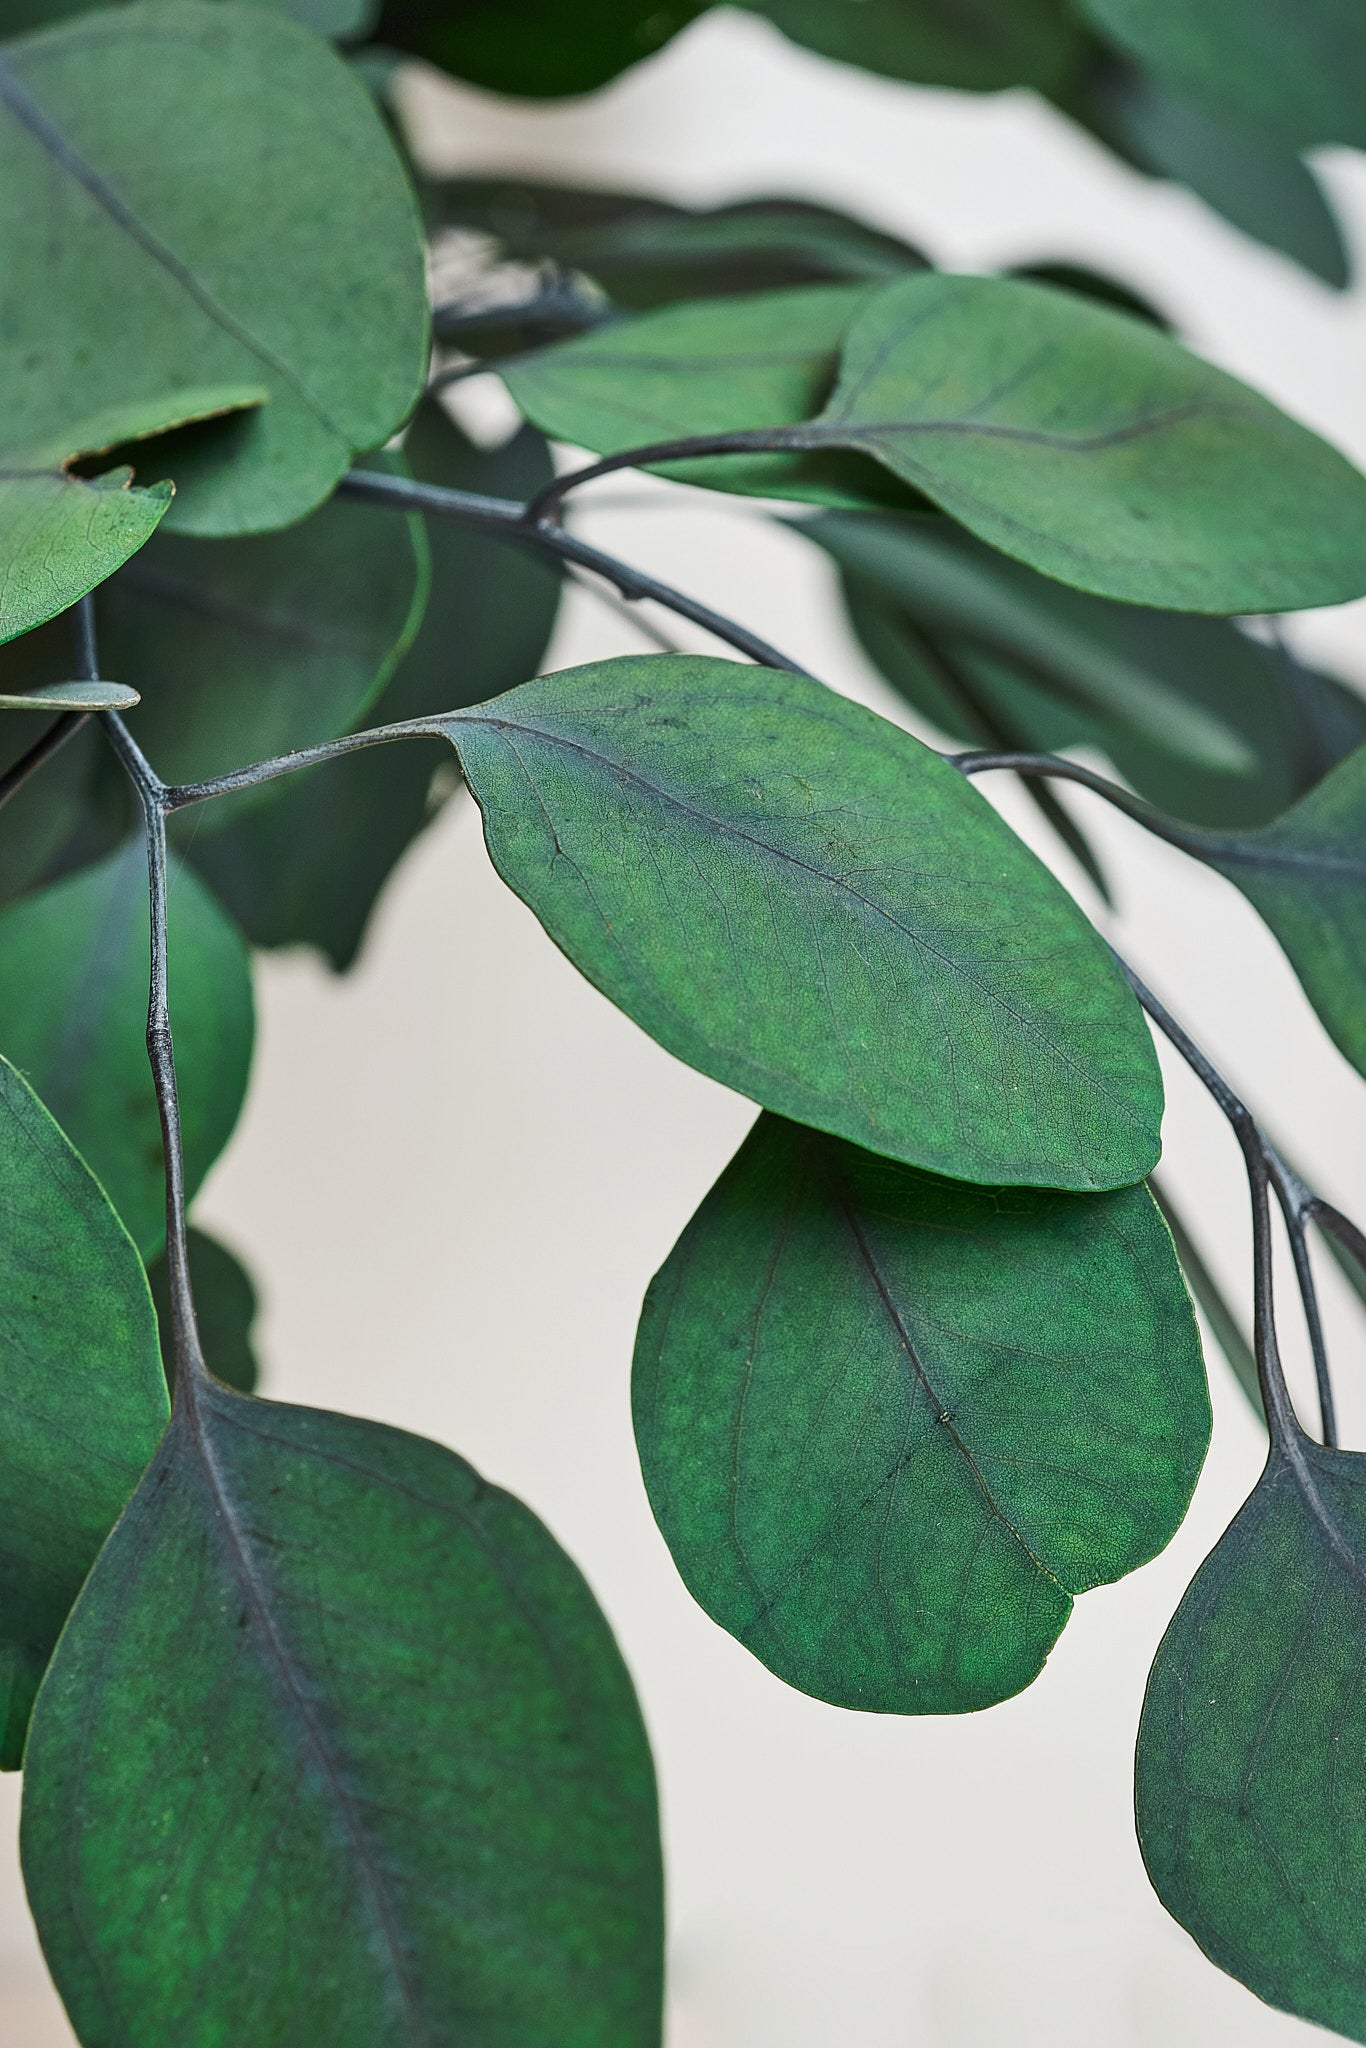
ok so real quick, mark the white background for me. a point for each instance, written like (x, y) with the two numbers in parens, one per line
(459, 1167)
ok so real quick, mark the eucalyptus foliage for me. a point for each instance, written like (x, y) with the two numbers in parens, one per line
(325, 1739)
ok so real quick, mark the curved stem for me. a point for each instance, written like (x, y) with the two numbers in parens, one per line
(175, 796)
(1264, 1171)
(1057, 766)
(507, 518)
(694, 447)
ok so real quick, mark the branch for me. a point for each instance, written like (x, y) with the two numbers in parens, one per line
(506, 518)
(1057, 766)
(746, 441)
(69, 724)
(189, 1356)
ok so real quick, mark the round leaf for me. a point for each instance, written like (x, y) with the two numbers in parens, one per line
(806, 903)
(355, 1758)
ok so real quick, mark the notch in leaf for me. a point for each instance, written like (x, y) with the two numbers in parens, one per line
(84, 1396)
(891, 1425)
(232, 212)
(799, 899)
(331, 1703)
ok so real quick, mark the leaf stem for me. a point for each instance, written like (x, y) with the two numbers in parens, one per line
(517, 522)
(746, 441)
(152, 793)
(1265, 1171)
(1186, 838)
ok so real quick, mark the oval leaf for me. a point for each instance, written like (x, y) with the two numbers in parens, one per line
(84, 1395)
(230, 209)
(331, 1703)
(890, 1425)
(806, 903)
(1297, 74)
(73, 1015)
(60, 536)
(1251, 1793)
(709, 367)
(984, 48)
(1090, 446)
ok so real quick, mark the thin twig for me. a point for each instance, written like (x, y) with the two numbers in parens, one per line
(189, 1356)
(792, 440)
(508, 519)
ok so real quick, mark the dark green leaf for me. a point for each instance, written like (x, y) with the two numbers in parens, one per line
(1306, 874)
(890, 1425)
(355, 1757)
(1093, 284)
(1261, 187)
(804, 902)
(309, 867)
(84, 1398)
(537, 48)
(1209, 723)
(43, 814)
(264, 245)
(1092, 447)
(73, 1013)
(646, 253)
(225, 1307)
(1296, 74)
(983, 46)
(1251, 1795)
(247, 648)
(705, 368)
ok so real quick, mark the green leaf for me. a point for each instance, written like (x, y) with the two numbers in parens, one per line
(85, 1401)
(890, 1425)
(1211, 1301)
(1092, 447)
(1250, 1795)
(355, 1757)
(73, 1014)
(60, 535)
(1071, 436)
(1294, 74)
(225, 1307)
(340, 18)
(1206, 721)
(247, 648)
(72, 697)
(1306, 874)
(709, 367)
(536, 48)
(804, 902)
(308, 868)
(1261, 187)
(645, 252)
(984, 47)
(266, 242)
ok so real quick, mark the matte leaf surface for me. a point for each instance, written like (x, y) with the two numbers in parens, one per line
(1211, 724)
(1251, 1792)
(707, 367)
(266, 242)
(1296, 73)
(983, 46)
(1306, 874)
(73, 1014)
(1095, 449)
(890, 1424)
(225, 1307)
(804, 902)
(84, 1398)
(309, 866)
(356, 1760)
(61, 535)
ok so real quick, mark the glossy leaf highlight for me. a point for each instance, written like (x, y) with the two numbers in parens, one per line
(890, 1425)
(804, 902)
